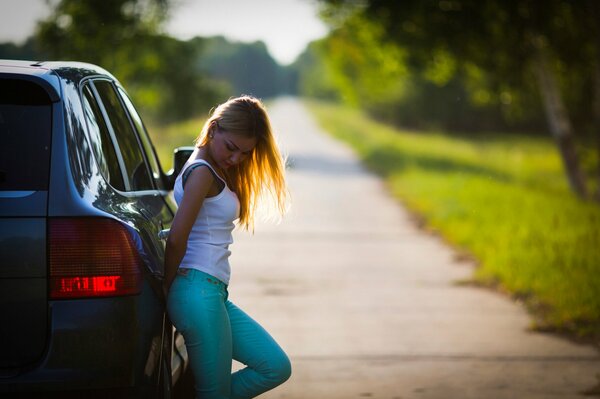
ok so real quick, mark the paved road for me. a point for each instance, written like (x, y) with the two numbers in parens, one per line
(367, 305)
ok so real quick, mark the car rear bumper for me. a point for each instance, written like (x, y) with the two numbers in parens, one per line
(95, 345)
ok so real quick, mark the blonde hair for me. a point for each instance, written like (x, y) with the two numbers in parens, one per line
(259, 179)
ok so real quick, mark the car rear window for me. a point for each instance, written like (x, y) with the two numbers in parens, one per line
(25, 131)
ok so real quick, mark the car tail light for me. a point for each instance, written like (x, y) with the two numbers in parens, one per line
(92, 257)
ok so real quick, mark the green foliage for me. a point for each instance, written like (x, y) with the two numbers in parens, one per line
(366, 70)
(243, 68)
(122, 36)
(311, 75)
(26, 51)
(363, 65)
(169, 79)
(168, 137)
(468, 62)
(100, 31)
(502, 198)
(441, 69)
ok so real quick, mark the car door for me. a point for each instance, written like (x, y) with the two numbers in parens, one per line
(144, 181)
(142, 177)
(179, 357)
(157, 173)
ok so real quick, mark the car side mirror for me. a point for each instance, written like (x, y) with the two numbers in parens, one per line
(180, 156)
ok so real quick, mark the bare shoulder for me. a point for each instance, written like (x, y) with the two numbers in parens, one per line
(196, 189)
(199, 181)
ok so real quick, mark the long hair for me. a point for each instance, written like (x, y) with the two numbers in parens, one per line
(259, 179)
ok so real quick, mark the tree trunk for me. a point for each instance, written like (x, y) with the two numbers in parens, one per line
(592, 13)
(596, 113)
(560, 126)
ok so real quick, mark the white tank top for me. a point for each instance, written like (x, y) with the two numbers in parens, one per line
(208, 243)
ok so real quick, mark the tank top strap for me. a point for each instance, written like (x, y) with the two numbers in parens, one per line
(193, 165)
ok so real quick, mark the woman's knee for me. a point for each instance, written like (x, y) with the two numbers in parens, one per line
(280, 369)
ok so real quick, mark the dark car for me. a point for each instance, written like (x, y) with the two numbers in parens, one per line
(83, 199)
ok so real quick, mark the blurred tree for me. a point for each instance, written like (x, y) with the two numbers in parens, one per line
(311, 77)
(590, 17)
(511, 40)
(99, 31)
(373, 71)
(358, 64)
(123, 37)
(165, 81)
(25, 51)
(247, 68)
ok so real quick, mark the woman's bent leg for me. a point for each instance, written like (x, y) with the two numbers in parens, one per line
(197, 309)
(267, 364)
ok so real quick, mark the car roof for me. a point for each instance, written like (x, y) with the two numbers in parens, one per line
(70, 70)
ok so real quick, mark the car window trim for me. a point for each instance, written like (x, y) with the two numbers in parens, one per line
(137, 136)
(111, 131)
(134, 130)
(122, 92)
(18, 193)
(120, 161)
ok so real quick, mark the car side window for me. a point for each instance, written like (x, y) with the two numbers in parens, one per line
(101, 142)
(143, 135)
(133, 158)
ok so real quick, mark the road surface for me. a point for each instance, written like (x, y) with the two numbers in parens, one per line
(368, 306)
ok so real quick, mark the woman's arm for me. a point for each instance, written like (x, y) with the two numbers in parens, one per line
(196, 188)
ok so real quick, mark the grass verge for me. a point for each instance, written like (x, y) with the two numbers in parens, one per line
(168, 137)
(501, 198)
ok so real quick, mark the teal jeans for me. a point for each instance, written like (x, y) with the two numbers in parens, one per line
(216, 331)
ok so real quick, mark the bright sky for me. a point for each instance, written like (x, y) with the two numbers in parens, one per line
(286, 26)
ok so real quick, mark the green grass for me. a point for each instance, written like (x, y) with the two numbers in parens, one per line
(167, 138)
(503, 199)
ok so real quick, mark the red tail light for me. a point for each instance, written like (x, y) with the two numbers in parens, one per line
(92, 257)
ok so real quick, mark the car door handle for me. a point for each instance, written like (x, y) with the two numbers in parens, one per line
(163, 234)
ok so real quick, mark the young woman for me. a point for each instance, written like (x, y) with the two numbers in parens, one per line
(236, 163)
